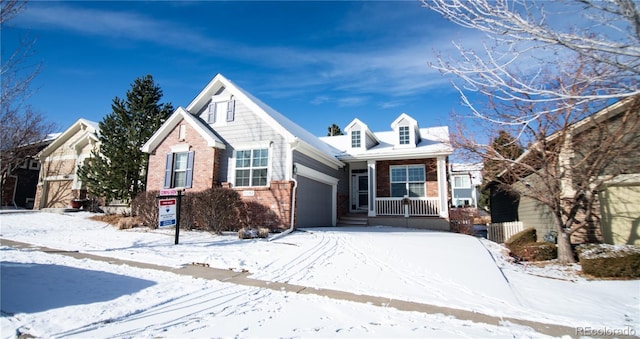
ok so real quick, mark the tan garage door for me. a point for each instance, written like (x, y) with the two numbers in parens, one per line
(58, 193)
(620, 207)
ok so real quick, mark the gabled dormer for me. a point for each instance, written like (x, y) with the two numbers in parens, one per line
(360, 136)
(407, 134)
(220, 109)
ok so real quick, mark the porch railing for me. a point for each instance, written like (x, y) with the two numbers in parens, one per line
(425, 207)
(501, 231)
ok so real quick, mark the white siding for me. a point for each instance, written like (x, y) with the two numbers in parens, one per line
(247, 128)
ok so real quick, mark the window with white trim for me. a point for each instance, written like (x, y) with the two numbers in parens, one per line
(404, 135)
(408, 180)
(356, 140)
(252, 167)
(178, 170)
(461, 181)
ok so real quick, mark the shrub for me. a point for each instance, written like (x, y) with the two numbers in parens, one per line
(526, 236)
(461, 220)
(602, 260)
(257, 215)
(518, 241)
(217, 210)
(539, 251)
(145, 207)
(188, 206)
(127, 222)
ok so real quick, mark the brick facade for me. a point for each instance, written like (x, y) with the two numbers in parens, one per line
(268, 206)
(206, 161)
(383, 180)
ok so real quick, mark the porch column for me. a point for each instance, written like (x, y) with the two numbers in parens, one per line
(442, 187)
(371, 169)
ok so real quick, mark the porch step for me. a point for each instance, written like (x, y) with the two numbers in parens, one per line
(353, 220)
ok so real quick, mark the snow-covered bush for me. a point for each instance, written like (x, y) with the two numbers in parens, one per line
(603, 260)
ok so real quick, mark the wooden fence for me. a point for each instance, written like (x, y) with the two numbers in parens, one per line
(501, 231)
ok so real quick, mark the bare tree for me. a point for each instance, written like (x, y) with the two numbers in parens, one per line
(538, 77)
(21, 128)
(524, 39)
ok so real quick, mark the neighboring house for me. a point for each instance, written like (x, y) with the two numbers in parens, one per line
(619, 198)
(19, 189)
(227, 137)
(58, 183)
(465, 181)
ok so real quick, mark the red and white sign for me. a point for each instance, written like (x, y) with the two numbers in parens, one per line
(167, 212)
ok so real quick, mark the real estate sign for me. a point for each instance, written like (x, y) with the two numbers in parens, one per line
(167, 212)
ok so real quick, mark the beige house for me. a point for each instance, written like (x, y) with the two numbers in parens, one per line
(617, 209)
(58, 183)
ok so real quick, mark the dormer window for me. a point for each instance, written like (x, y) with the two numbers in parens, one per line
(219, 112)
(356, 140)
(405, 135)
(406, 131)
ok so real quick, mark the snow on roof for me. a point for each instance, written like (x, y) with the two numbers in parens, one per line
(433, 141)
(466, 167)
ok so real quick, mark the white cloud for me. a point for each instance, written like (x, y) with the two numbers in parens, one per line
(116, 24)
(352, 101)
(396, 67)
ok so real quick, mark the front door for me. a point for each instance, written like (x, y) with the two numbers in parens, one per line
(360, 192)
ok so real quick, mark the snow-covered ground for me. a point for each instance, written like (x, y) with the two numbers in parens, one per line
(52, 295)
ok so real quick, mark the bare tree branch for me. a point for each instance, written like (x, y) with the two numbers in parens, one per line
(21, 128)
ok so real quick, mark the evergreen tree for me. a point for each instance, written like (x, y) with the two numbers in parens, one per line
(118, 169)
(504, 146)
(334, 130)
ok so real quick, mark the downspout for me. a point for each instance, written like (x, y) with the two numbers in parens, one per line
(293, 197)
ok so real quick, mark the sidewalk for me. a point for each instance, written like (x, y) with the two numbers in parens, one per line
(242, 278)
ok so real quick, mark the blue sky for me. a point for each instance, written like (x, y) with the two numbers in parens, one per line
(316, 62)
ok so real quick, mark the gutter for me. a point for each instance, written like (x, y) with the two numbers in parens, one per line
(293, 199)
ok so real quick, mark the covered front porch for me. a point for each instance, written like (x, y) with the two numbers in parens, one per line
(408, 188)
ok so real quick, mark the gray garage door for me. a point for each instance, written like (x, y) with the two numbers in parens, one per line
(314, 202)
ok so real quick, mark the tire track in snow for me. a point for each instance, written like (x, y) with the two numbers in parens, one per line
(167, 314)
(405, 275)
(300, 267)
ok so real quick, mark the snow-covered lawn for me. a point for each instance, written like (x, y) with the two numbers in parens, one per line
(53, 295)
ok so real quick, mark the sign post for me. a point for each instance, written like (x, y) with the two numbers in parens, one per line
(169, 210)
